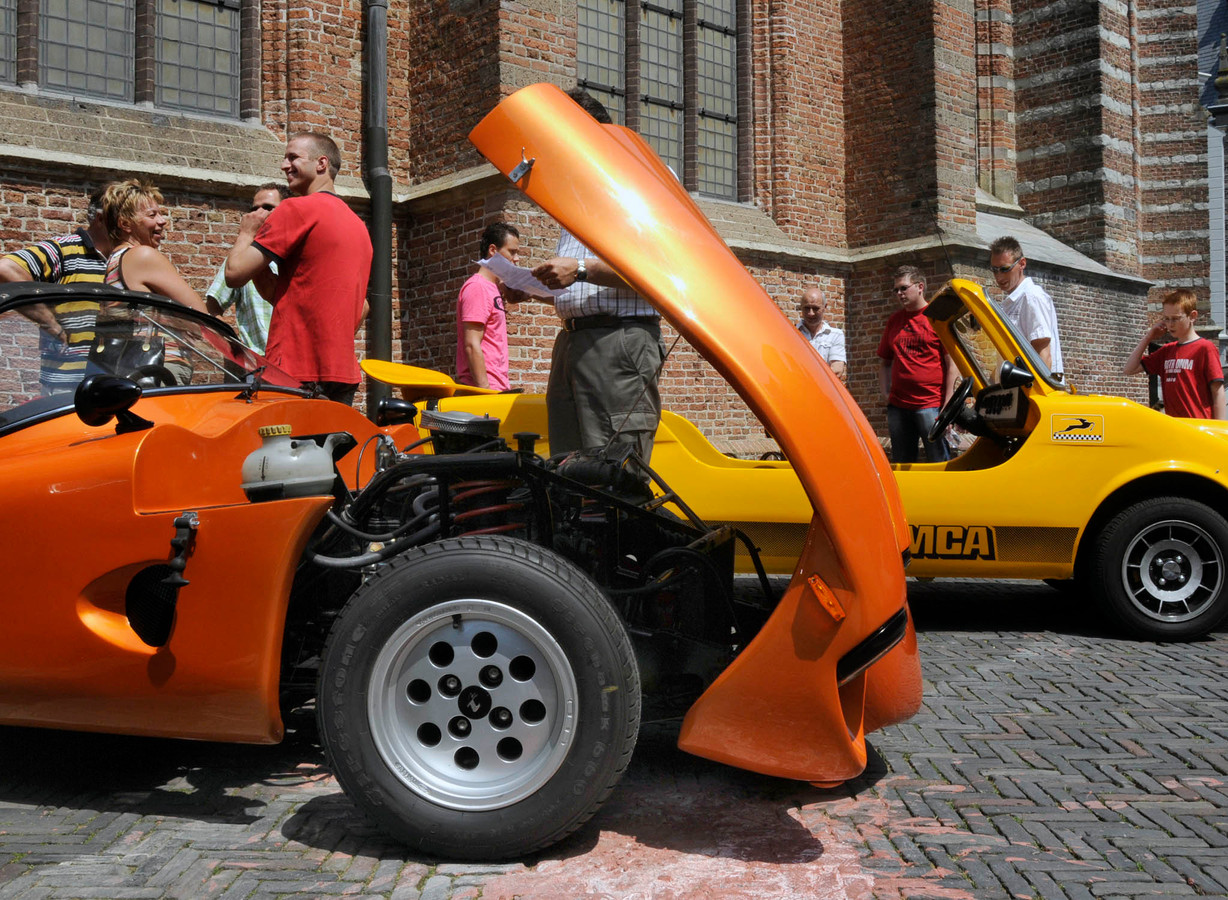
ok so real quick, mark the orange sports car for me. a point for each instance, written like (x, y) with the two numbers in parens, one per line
(197, 547)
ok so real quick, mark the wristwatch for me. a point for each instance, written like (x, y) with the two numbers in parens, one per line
(581, 271)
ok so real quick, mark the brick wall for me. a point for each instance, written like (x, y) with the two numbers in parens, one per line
(995, 99)
(1172, 158)
(1059, 100)
(861, 146)
(799, 123)
(888, 147)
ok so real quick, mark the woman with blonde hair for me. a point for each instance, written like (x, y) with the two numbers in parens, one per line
(135, 222)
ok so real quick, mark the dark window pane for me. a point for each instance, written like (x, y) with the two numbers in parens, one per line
(8, 40)
(87, 47)
(601, 63)
(599, 53)
(661, 79)
(196, 52)
(717, 83)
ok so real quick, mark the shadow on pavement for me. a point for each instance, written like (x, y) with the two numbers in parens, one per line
(678, 802)
(668, 800)
(985, 605)
(144, 776)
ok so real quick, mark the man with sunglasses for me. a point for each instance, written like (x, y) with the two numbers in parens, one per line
(481, 317)
(827, 340)
(252, 311)
(1026, 304)
(915, 374)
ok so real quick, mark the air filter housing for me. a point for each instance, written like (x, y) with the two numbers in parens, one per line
(455, 431)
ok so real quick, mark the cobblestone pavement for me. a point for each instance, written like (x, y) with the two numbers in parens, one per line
(1051, 760)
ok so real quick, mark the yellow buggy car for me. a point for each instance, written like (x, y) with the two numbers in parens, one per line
(1123, 504)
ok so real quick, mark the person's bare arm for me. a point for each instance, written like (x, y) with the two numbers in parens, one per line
(40, 313)
(1041, 346)
(245, 260)
(884, 378)
(472, 343)
(146, 269)
(1134, 364)
(838, 369)
(1219, 406)
(265, 282)
(11, 272)
(950, 378)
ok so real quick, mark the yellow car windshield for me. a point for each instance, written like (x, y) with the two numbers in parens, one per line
(986, 356)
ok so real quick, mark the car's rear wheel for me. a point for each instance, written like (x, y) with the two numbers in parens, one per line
(479, 698)
(1160, 567)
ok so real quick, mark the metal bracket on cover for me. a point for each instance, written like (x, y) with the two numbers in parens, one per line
(826, 598)
(182, 543)
(249, 393)
(523, 169)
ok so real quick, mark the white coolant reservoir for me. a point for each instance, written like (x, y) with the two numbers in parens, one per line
(285, 467)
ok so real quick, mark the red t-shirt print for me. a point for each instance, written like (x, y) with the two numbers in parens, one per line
(917, 360)
(1188, 372)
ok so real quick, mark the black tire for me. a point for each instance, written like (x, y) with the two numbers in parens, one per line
(1161, 567)
(547, 676)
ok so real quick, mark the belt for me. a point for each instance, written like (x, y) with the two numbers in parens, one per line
(579, 323)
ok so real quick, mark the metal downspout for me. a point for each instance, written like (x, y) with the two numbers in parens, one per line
(379, 186)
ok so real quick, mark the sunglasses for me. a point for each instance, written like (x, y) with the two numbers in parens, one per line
(269, 206)
(1002, 270)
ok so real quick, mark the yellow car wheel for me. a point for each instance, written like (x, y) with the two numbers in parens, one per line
(1160, 568)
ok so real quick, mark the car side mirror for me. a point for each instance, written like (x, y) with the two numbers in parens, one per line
(392, 411)
(1014, 375)
(101, 398)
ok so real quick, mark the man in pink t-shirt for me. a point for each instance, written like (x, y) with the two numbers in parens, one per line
(916, 376)
(481, 318)
(323, 255)
(1192, 377)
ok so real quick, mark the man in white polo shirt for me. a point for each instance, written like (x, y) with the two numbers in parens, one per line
(826, 339)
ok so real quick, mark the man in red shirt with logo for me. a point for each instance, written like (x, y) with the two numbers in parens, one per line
(916, 376)
(1193, 382)
(323, 256)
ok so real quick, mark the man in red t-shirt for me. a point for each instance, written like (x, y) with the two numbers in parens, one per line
(1193, 379)
(323, 256)
(916, 376)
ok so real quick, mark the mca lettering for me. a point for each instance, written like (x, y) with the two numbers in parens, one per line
(952, 542)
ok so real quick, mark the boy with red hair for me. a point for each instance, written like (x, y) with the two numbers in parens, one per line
(1193, 382)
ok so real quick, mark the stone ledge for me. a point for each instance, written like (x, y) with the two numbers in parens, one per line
(745, 228)
(51, 135)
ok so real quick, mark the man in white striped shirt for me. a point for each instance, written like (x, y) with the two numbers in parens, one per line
(604, 367)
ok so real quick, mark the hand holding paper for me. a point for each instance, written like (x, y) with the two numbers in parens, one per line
(518, 278)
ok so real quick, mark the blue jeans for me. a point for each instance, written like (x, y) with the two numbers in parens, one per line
(906, 427)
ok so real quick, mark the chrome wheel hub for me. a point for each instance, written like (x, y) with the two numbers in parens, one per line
(472, 704)
(1172, 570)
